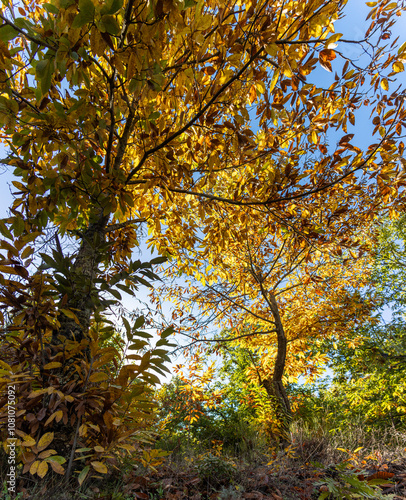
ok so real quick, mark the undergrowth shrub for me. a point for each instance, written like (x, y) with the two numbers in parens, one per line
(215, 470)
(79, 406)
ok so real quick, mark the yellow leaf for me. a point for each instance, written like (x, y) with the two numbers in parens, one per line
(53, 364)
(402, 48)
(97, 43)
(5, 365)
(8, 270)
(274, 80)
(34, 467)
(98, 377)
(108, 420)
(398, 67)
(384, 84)
(71, 315)
(118, 64)
(45, 441)
(49, 419)
(99, 449)
(287, 71)
(82, 430)
(314, 137)
(99, 467)
(42, 469)
(59, 415)
(47, 453)
(271, 49)
(252, 95)
(260, 86)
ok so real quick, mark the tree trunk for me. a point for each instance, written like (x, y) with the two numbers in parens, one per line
(82, 275)
(274, 387)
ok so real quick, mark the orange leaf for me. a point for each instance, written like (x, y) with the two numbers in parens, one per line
(325, 56)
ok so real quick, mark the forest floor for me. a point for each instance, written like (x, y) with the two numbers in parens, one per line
(271, 482)
(280, 480)
(312, 468)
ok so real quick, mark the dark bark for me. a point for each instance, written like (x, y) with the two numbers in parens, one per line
(82, 276)
(274, 387)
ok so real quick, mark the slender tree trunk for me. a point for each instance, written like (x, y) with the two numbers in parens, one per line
(274, 386)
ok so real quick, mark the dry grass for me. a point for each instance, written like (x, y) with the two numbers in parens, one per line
(318, 443)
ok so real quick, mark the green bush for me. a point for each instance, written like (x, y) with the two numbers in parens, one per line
(214, 470)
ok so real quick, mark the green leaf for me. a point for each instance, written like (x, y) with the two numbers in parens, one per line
(83, 474)
(127, 328)
(151, 378)
(59, 109)
(188, 4)
(41, 68)
(162, 370)
(56, 458)
(154, 116)
(111, 25)
(49, 261)
(138, 279)
(44, 74)
(168, 331)
(157, 260)
(52, 9)
(4, 230)
(143, 335)
(7, 33)
(111, 7)
(115, 294)
(138, 344)
(159, 352)
(125, 289)
(86, 14)
(138, 322)
(18, 226)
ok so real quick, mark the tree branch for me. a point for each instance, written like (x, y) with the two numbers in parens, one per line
(179, 132)
(114, 227)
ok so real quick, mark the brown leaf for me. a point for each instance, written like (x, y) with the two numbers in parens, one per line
(57, 467)
(107, 38)
(381, 475)
(345, 139)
